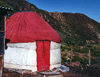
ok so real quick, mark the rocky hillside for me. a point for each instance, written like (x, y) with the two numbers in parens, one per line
(74, 28)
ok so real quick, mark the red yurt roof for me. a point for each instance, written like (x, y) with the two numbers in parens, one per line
(28, 27)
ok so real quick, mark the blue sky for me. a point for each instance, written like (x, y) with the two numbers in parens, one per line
(91, 8)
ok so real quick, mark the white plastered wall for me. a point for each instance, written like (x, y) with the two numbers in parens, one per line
(55, 55)
(23, 56)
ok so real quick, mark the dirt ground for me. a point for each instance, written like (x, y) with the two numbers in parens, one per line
(92, 71)
(15, 74)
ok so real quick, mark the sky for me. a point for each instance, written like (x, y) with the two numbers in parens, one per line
(91, 8)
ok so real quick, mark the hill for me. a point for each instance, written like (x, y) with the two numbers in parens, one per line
(71, 26)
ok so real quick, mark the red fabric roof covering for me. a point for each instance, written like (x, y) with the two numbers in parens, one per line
(28, 27)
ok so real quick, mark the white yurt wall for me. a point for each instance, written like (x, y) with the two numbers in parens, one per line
(23, 56)
(55, 55)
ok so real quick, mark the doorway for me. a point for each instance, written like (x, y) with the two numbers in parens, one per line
(43, 55)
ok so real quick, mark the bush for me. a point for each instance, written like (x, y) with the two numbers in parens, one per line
(81, 50)
(81, 60)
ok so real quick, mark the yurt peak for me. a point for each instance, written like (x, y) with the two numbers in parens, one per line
(28, 27)
(24, 11)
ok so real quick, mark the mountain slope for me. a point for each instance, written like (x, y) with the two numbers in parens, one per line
(74, 28)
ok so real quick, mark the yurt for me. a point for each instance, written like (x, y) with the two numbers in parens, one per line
(34, 45)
